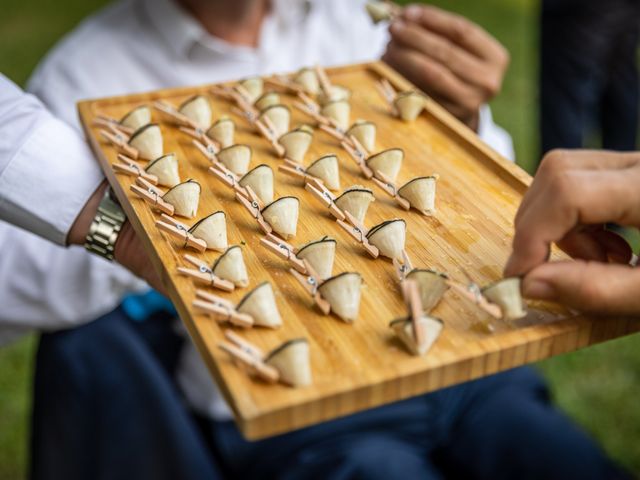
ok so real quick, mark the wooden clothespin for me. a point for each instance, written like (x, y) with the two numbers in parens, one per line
(389, 187)
(311, 108)
(388, 92)
(221, 310)
(402, 269)
(359, 156)
(205, 275)
(471, 291)
(129, 167)
(359, 233)
(111, 123)
(246, 354)
(209, 152)
(283, 83)
(283, 250)
(320, 192)
(178, 117)
(119, 140)
(152, 195)
(181, 232)
(229, 178)
(411, 295)
(335, 132)
(254, 207)
(325, 83)
(267, 130)
(208, 143)
(310, 282)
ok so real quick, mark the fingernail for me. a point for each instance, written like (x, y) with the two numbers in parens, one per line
(413, 12)
(397, 26)
(537, 289)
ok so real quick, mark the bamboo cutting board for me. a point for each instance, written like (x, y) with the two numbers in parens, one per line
(358, 366)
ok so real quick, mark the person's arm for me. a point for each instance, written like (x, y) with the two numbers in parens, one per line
(449, 57)
(572, 197)
(50, 184)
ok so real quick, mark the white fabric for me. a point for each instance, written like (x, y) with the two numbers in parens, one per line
(138, 45)
(47, 172)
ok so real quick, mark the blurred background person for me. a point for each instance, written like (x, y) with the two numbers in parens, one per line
(589, 80)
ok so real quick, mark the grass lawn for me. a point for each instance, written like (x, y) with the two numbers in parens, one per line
(598, 387)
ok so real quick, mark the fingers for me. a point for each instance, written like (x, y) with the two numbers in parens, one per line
(568, 200)
(432, 77)
(596, 244)
(438, 48)
(459, 30)
(556, 162)
(587, 286)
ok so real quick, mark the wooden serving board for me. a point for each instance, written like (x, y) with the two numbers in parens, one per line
(358, 366)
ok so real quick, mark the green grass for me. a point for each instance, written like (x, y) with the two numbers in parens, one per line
(598, 387)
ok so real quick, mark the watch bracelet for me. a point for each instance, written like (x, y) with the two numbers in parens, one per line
(105, 227)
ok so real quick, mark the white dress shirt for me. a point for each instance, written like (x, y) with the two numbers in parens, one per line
(41, 155)
(139, 45)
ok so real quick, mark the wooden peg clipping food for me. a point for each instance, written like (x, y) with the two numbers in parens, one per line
(152, 195)
(205, 275)
(181, 232)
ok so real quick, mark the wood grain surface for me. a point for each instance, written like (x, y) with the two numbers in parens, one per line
(358, 366)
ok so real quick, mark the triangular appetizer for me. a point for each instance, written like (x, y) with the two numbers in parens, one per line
(389, 237)
(355, 200)
(379, 11)
(236, 158)
(337, 93)
(291, 359)
(421, 194)
(184, 197)
(365, 133)
(432, 327)
(266, 100)
(222, 132)
(282, 215)
(230, 266)
(147, 140)
(308, 80)
(137, 118)
(260, 304)
(254, 87)
(260, 179)
(339, 111)
(409, 105)
(388, 162)
(320, 254)
(213, 230)
(296, 143)
(431, 286)
(326, 169)
(279, 116)
(165, 169)
(343, 294)
(198, 110)
(506, 294)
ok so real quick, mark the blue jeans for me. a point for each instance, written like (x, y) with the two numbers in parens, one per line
(588, 73)
(106, 407)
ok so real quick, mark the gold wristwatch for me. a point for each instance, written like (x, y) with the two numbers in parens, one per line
(105, 227)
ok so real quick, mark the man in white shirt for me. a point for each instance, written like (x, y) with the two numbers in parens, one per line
(145, 44)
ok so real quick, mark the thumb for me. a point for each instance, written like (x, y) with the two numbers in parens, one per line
(588, 286)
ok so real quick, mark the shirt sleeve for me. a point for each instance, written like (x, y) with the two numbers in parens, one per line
(495, 136)
(47, 171)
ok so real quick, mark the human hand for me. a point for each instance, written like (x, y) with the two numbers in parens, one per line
(128, 250)
(571, 198)
(450, 58)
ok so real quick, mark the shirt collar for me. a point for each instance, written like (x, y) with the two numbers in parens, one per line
(181, 31)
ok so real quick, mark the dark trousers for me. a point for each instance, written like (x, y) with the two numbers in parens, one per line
(106, 407)
(588, 73)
